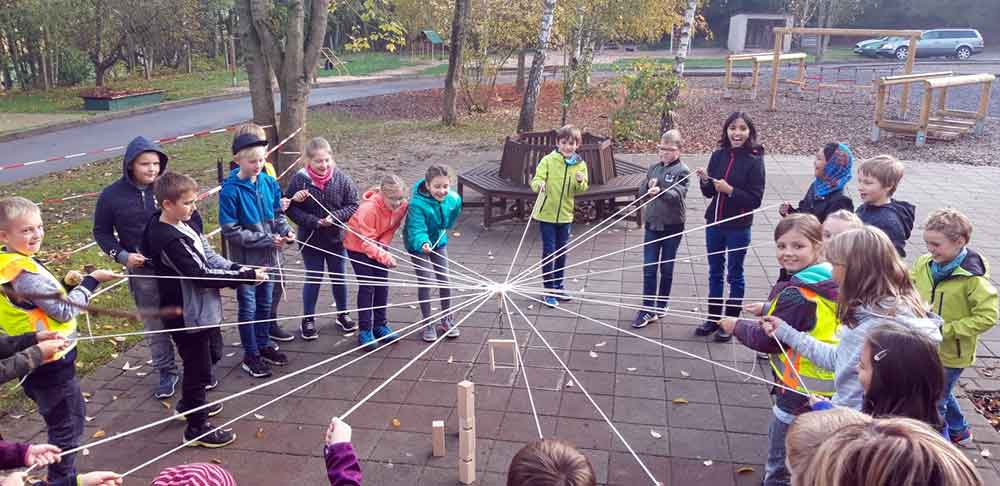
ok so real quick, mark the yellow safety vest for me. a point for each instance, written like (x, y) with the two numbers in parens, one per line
(817, 380)
(16, 320)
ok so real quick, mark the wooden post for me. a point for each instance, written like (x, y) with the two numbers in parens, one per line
(466, 432)
(984, 105)
(779, 39)
(925, 115)
(755, 79)
(943, 99)
(911, 55)
(802, 73)
(503, 344)
(728, 78)
(879, 109)
(437, 432)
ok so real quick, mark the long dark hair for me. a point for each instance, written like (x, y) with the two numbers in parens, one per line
(907, 378)
(750, 143)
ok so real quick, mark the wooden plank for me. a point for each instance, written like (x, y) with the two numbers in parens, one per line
(848, 32)
(951, 122)
(506, 345)
(911, 56)
(909, 78)
(960, 80)
(779, 38)
(437, 433)
(466, 399)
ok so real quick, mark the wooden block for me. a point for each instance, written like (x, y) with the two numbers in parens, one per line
(466, 444)
(466, 399)
(467, 471)
(467, 423)
(505, 346)
(437, 431)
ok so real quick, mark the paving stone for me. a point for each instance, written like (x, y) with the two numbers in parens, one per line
(746, 419)
(624, 470)
(639, 411)
(520, 427)
(630, 385)
(695, 415)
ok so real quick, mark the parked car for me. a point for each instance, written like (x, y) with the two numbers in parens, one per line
(960, 43)
(869, 47)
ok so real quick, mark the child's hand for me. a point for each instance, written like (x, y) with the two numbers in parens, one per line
(278, 241)
(300, 196)
(19, 478)
(103, 275)
(50, 347)
(100, 478)
(755, 308)
(285, 202)
(541, 187)
(42, 455)
(260, 275)
(46, 335)
(784, 209)
(426, 248)
(813, 400)
(338, 432)
(728, 324)
(722, 186)
(701, 173)
(579, 177)
(290, 237)
(770, 324)
(135, 260)
(326, 222)
(390, 261)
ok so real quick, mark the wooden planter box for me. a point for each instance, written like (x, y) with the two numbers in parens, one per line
(121, 102)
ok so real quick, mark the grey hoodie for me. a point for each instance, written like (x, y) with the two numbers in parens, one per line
(667, 209)
(844, 359)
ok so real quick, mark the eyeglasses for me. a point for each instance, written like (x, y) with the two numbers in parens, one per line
(667, 148)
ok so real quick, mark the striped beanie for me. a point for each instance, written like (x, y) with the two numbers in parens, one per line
(200, 474)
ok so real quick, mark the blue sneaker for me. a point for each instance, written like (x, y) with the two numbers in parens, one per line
(383, 330)
(642, 319)
(167, 386)
(551, 301)
(367, 339)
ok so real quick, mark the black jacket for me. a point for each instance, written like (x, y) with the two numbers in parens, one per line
(340, 197)
(744, 170)
(821, 207)
(124, 206)
(895, 219)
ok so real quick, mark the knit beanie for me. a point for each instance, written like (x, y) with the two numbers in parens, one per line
(201, 474)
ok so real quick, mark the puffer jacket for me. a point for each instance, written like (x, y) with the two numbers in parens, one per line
(559, 176)
(428, 220)
(250, 214)
(377, 223)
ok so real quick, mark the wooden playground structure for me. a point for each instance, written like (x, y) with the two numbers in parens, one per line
(942, 123)
(756, 61)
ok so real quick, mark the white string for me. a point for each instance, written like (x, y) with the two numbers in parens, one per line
(373, 281)
(524, 233)
(524, 371)
(671, 299)
(655, 310)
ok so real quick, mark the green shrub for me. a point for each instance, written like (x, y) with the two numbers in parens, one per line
(641, 90)
(74, 67)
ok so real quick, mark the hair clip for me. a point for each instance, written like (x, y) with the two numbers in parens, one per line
(879, 356)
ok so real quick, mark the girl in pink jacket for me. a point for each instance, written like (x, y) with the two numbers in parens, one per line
(380, 214)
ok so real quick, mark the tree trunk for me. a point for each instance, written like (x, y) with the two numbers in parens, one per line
(449, 108)
(526, 121)
(667, 121)
(519, 82)
(44, 59)
(258, 74)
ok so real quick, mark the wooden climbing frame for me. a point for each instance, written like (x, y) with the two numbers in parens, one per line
(942, 123)
(757, 60)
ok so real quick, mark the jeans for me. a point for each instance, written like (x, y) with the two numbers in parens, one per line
(717, 240)
(554, 238)
(61, 406)
(954, 421)
(277, 293)
(658, 252)
(428, 267)
(146, 293)
(314, 261)
(372, 290)
(254, 304)
(196, 350)
(775, 471)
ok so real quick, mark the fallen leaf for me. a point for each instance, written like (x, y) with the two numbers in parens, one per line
(569, 384)
(120, 339)
(680, 400)
(99, 434)
(85, 452)
(149, 361)
(685, 374)
(655, 434)
(237, 343)
(17, 417)
(631, 369)
(456, 234)
(593, 354)
(114, 397)
(708, 462)
(395, 422)
(230, 355)
(531, 305)
(128, 366)
(985, 453)
(165, 404)
(113, 356)
(601, 344)
(451, 359)
(88, 419)
(349, 334)
(260, 433)
(258, 416)
(744, 470)
(87, 394)
(141, 373)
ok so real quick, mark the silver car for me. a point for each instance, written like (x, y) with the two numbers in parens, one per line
(960, 43)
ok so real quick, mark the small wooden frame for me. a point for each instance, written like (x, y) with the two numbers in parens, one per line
(943, 123)
(757, 60)
(466, 432)
(437, 433)
(509, 344)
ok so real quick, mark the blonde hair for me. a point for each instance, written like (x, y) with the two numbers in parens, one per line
(251, 128)
(848, 217)
(888, 452)
(672, 137)
(809, 430)
(950, 222)
(14, 207)
(392, 181)
(550, 462)
(872, 273)
(250, 153)
(804, 223)
(317, 144)
(569, 132)
(886, 169)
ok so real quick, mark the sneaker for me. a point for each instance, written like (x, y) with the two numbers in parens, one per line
(212, 411)
(430, 334)
(346, 323)
(213, 382)
(723, 336)
(662, 312)
(279, 334)
(367, 339)
(213, 440)
(550, 301)
(562, 296)
(309, 329)
(383, 330)
(642, 319)
(706, 328)
(272, 356)
(256, 367)
(448, 327)
(963, 439)
(167, 386)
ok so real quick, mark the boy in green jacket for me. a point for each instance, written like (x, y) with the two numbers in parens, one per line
(559, 177)
(954, 279)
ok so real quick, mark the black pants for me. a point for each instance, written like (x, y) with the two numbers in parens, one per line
(62, 407)
(199, 351)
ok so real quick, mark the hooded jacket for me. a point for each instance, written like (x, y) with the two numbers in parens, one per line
(340, 197)
(173, 253)
(428, 219)
(19, 355)
(821, 207)
(667, 209)
(250, 214)
(843, 359)
(124, 206)
(377, 223)
(967, 302)
(561, 187)
(742, 168)
(895, 219)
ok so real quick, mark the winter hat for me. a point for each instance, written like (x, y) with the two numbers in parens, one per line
(836, 173)
(247, 140)
(201, 474)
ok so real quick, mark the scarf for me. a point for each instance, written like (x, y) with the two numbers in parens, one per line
(836, 173)
(318, 180)
(940, 272)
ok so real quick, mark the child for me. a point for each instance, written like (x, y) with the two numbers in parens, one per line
(16, 455)
(122, 211)
(342, 467)
(665, 218)
(254, 226)
(337, 194)
(873, 288)
(561, 175)
(878, 179)
(182, 252)
(810, 430)
(20, 355)
(838, 222)
(434, 209)
(734, 181)
(381, 213)
(832, 169)
(804, 297)
(550, 462)
(52, 386)
(901, 374)
(955, 281)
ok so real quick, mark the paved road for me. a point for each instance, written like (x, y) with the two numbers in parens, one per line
(166, 123)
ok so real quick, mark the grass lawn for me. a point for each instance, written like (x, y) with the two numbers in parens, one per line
(833, 54)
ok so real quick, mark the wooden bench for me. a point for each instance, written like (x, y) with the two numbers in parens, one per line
(757, 60)
(617, 192)
(940, 124)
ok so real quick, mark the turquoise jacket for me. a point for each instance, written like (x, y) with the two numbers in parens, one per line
(427, 220)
